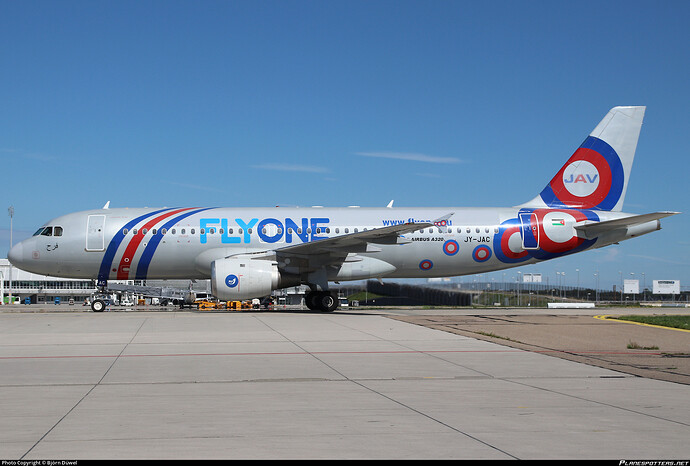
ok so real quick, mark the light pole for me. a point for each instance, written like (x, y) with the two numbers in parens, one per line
(10, 210)
(578, 283)
(632, 276)
(596, 291)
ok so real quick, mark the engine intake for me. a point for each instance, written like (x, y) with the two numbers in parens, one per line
(240, 277)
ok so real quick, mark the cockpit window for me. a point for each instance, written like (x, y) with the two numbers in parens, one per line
(49, 231)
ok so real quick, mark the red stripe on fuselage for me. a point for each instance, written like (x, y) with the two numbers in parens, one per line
(126, 260)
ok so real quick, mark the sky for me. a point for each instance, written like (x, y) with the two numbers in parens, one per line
(336, 103)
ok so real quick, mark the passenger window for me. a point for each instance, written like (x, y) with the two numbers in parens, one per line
(135, 231)
(164, 231)
(182, 232)
(212, 231)
(144, 231)
(477, 229)
(469, 230)
(347, 230)
(192, 232)
(57, 231)
(174, 231)
(154, 231)
(125, 231)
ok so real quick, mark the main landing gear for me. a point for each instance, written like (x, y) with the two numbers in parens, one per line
(324, 301)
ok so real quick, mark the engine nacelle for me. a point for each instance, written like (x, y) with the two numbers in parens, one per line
(240, 277)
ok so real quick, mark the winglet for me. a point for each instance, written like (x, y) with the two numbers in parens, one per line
(390, 204)
(442, 221)
(107, 205)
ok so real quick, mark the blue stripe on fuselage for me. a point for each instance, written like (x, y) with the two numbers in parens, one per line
(147, 255)
(107, 262)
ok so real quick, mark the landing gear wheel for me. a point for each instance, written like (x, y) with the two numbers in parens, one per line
(327, 302)
(310, 300)
(323, 301)
(97, 305)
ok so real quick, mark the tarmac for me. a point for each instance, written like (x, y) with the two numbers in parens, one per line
(353, 384)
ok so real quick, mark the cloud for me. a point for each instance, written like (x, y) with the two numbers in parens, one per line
(611, 255)
(291, 168)
(196, 186)
(411, 156)
(40, 157)
(658, 259)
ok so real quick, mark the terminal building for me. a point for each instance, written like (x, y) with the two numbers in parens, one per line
(30, 288)
(41, 289)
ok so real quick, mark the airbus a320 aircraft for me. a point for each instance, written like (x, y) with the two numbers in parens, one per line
(249, 252)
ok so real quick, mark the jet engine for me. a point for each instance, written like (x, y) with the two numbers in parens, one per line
(240, 277)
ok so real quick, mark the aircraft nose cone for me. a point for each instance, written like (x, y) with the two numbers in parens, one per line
(16, 254)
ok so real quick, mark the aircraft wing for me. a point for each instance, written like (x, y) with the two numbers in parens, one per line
(592, 230)
(354, 242)
(357, 242)
(307, 257)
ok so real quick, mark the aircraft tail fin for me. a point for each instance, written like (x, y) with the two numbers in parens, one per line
(596, 175)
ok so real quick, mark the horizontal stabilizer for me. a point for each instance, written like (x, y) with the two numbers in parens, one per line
(594, 229)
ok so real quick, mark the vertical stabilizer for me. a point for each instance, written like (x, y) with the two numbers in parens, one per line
(596, 175)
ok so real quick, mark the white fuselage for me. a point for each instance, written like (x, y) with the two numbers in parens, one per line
(147, 243)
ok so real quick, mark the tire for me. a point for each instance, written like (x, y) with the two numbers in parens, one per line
(310, 300)
(327, 302)
(97, 305)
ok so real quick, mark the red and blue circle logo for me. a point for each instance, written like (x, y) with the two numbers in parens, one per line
(592, 178)
(508, 242)
(451, 247)
(481, 253)
(426, 264)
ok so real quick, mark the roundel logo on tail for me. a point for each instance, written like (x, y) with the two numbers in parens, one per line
(592, 178)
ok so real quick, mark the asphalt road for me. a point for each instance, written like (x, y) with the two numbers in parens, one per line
(159, 383)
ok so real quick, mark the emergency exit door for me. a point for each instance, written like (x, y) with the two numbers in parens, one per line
(529, 230)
